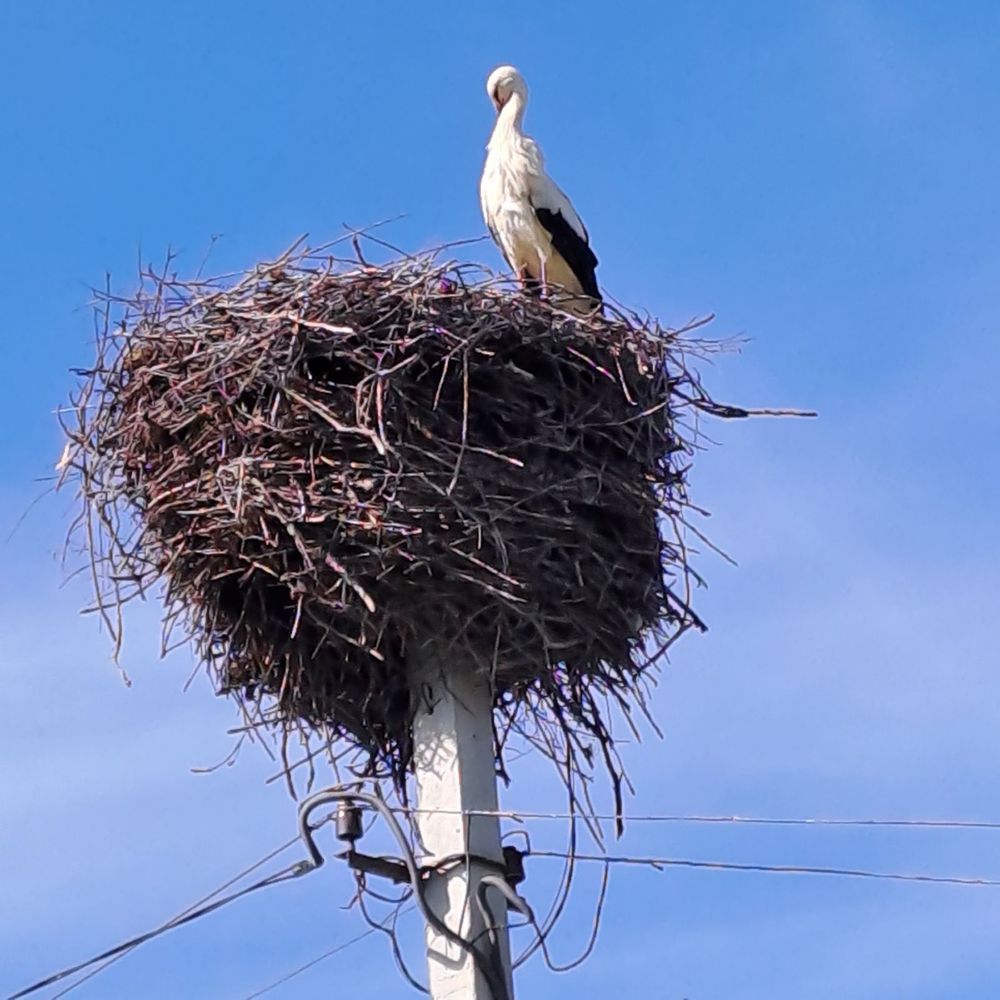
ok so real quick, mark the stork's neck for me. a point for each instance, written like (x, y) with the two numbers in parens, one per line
(509, 120)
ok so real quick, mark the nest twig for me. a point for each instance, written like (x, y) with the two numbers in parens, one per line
(328, 463)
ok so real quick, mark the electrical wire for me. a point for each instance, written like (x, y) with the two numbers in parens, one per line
(204, 899)
(942, 824)
(197, 910)
(561, 898)
(329, 953)
(388, 927)
(655, 863)
(513, 900)
(782, 869)
(595, 928)
(202, 907)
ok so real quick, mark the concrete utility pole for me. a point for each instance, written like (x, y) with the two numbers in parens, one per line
(455, 773)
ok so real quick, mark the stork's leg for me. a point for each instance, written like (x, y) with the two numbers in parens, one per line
(545, 280)
(529, 285)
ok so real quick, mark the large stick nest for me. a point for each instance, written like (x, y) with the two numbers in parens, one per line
(329, 466)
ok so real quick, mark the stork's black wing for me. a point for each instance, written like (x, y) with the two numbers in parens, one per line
(573, 249)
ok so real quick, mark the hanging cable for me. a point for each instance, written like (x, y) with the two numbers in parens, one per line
(388, 927)
(514, 902)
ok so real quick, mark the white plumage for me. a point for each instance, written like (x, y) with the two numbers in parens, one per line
(533, 223)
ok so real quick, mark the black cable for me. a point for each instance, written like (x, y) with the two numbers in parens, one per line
(293, 871)
(514, 902)
(594, 930)
(391, 900)
(389, 929)
(562, 896)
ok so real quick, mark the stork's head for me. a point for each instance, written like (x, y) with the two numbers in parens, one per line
(503, 83)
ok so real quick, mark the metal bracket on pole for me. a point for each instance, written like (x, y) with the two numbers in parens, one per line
(482, 950)
(395, 871)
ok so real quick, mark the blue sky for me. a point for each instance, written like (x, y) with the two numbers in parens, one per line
(821, 176)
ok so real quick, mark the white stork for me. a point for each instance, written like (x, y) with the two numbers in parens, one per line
(531, 220)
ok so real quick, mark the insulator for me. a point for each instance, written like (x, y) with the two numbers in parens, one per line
(348, 822)
(513, 860)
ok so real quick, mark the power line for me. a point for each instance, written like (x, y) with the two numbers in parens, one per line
(200, 909)
(308, 965)
(782, 869)
(656, 862)
(203, 907)
(343, 946)
(944, 824)
(200, 902)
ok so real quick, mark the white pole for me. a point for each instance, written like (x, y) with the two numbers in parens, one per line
(455, 773)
